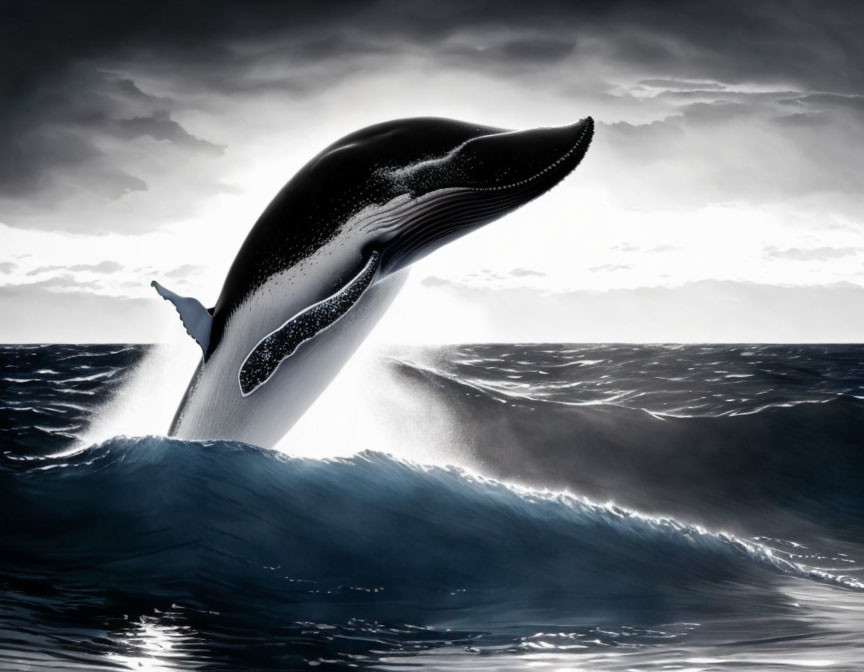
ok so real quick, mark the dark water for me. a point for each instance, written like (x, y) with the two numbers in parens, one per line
(626, 508)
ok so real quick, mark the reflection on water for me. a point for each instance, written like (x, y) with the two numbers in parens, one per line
(156, 644)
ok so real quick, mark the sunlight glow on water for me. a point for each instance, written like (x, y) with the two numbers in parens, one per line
(154, 646)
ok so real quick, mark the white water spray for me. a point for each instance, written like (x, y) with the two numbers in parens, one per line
(364, 408)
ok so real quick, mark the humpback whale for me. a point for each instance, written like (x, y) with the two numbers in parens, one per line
(329, 253)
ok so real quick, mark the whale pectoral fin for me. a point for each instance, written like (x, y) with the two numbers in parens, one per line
(261, 363)
(196, 319)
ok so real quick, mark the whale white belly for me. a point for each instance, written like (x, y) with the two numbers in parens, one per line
(214, 407)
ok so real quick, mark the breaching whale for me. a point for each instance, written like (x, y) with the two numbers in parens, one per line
(327, 256)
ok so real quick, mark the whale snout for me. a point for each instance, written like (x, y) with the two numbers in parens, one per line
(513, 159)
(482, 180)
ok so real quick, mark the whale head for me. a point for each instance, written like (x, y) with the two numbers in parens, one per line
(416, 184)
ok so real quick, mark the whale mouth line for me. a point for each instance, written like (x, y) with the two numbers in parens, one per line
(581, 145)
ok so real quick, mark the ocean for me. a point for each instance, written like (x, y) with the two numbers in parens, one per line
(473, 507)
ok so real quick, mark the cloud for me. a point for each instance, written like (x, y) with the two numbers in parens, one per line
(60, 283)
(58, 135)
(705, 311)
(75, 125)
(184, 271)
(160, 126)
(525, 273)
(106, 266)
(609, 268)
(69, 152)
(812, 254)
(35, 313)
(434, 281)
(483, 278)
(629, 247)
(684, 84)
(709, 311)
(738, 149)
(7, 267)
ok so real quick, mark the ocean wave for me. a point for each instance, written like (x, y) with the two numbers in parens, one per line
(695, 381)
(370, 536)
(788, 468)
(93, 354)
(541, 392)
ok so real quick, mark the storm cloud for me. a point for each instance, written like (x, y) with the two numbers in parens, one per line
(78, 125)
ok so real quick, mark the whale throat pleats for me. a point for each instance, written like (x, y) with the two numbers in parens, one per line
(261, 363)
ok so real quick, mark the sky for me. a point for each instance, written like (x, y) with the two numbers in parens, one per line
(721, 199)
